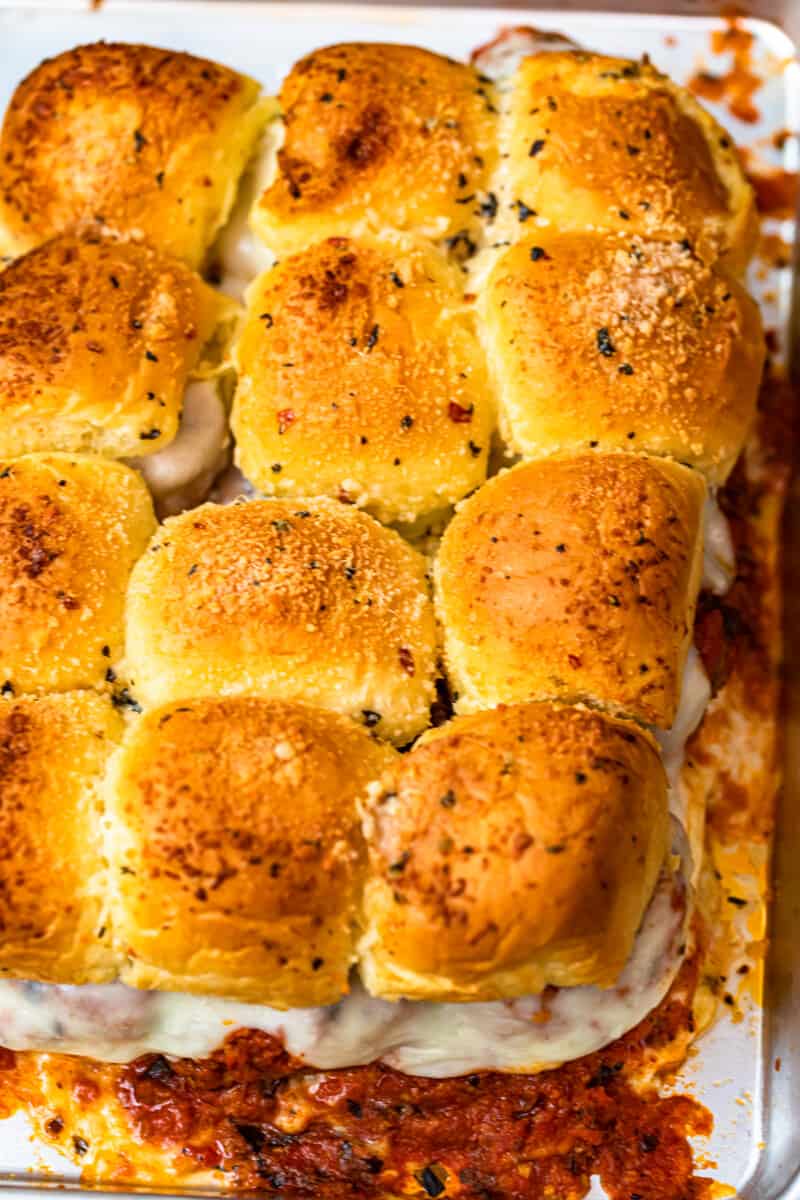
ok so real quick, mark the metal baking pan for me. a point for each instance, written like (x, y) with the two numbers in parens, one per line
(754, 1149)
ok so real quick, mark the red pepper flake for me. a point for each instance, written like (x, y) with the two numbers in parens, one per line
(286, 417)
(406, 660)
(574, 661)
(459, 414)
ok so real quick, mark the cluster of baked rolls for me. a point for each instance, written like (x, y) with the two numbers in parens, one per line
(201, 790)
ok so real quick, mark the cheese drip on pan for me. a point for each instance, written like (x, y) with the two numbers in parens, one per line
(115, 1023)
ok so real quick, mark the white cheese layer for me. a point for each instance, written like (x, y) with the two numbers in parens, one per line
(694, 700)
(501, 57)
(116, 1023)
(239, 255)
(180, 476)
(719, 562)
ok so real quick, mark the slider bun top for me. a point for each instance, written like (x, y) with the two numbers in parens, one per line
(97, 340)
(236, 852)
(511, 850)
(378, 136)
(360, 374)
(605, 144)
(147, 142)
(53, 888)
(626, 344)
(574, 579)
(308, 599)
(71, 528)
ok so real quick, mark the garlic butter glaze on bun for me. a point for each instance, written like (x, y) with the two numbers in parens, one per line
(235, 848)
(53, 881)
(379, 136)
(98, 339)
(511, 850)
(574, 579)
(147, 142)
(625, 344)
(608, 145)
(310, 600)
(71, 528)
(360, 375)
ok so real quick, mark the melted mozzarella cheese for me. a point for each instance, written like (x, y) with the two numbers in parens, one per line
(116, 1023)
(238, 254)
(719, 563)
(501, 57)
(232, 486)
(694, 700)
(180, 476)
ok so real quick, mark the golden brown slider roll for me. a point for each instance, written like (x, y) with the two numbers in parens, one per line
(380, 136)
(98, 340)
(575, 579)
(235, 848)
(596, 341)
(610, 145)
(71, 528)
(53, 885)
(511, 850)
(145, 141)
(311, 600)
(360, 376)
